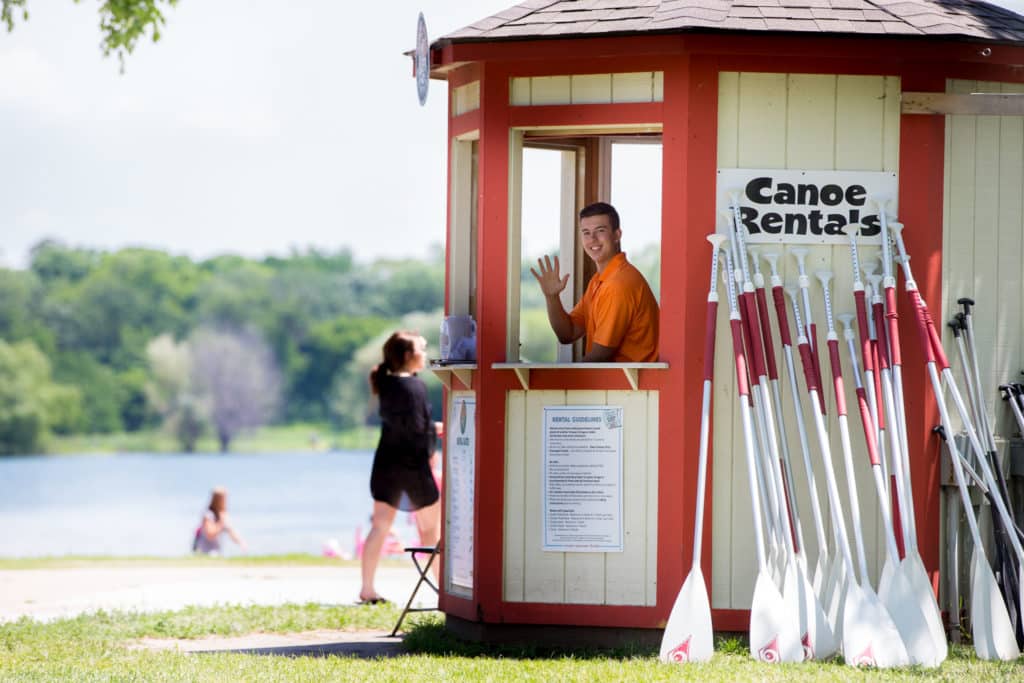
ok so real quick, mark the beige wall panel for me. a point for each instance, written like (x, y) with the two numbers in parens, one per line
(633, 87)
(515, 229)
(515, 495)
(1006, 311)
(728, 472)
(867, 138)
(891, 149)
(585, 572)
(761, 132)
(797, 122)
(466, 98)
(728, 121)
(460, 212)
(860, 118)
(520, 92)
(811, 121)
(659, 86)
(550, 90)
(984, 231)
(651, 500)
(592, 89)
(544, 572)
(958, 246)
(626, 571)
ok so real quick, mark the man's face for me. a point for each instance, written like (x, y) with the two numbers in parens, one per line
(600, 242)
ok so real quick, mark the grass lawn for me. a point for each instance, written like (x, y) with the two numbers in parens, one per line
(99, 647)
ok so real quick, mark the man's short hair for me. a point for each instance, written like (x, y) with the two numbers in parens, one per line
(601, 209)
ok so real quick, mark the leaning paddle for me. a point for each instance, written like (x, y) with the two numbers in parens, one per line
(774, 632)
(688, 636)
(990, 621)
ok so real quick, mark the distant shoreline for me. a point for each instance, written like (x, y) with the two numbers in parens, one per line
(295, 438)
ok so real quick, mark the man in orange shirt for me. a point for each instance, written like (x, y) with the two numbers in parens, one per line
(618, 312)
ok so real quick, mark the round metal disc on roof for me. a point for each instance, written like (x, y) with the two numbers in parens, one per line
(422, 60)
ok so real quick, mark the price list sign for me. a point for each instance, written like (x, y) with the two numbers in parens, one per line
(582, 472)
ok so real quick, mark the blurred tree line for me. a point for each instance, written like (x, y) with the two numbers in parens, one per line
(101, 342)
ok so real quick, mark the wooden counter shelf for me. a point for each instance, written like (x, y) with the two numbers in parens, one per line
(631, 370)
(463, 373)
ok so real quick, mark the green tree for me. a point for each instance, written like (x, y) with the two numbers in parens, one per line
(30, 402)
(327, 349)
(102, 393)
(172, 390)
(122, 22)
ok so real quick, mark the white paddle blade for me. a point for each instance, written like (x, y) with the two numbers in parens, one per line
(990, 622)
(913, 568)
(774, 635)
(815, 631)
(904, 607)
(835, 589)
(688, 636)
(870, 638)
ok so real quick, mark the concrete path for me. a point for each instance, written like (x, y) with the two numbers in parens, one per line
(46, 594)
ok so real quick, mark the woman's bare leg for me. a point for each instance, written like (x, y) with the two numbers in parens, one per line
(428, 521)
(383, 517)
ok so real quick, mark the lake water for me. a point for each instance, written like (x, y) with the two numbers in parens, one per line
(151, 504)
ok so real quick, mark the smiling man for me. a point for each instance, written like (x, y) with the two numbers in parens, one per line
(618, 313)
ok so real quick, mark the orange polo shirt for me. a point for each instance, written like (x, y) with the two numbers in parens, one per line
(619, 310)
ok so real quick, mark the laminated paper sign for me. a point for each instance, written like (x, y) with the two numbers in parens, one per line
(582, 469)
(461, 481)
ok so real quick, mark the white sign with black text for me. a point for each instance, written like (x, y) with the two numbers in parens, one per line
(582, 469)
(806, 207)
(460, 476)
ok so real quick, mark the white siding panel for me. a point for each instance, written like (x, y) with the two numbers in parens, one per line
(515, 495)
(651, 500)
(626, 575)
(633, 87)
(592, 89)
(544, 577)
(550, 90)
(796, 121)
(520, 92)
(585, 572)
(984, 242)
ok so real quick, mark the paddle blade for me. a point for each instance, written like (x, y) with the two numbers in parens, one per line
(815, 632)
(914, 569)
(774, 633)
(870, 638)
(898, 596)
(990, 622)
(688, 636)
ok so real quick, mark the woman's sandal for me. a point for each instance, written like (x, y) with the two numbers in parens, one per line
(374, 601)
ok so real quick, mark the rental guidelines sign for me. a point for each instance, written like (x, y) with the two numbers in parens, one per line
(806, 207)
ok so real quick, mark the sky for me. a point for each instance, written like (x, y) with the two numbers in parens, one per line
(253, 127)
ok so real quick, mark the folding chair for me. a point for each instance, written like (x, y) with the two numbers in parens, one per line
(423, 570)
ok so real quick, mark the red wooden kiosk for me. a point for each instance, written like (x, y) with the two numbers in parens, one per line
(836, 85)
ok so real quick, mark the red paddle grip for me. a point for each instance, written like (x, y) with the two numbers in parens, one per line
(766, 334)
(862, 328)
(737, 353)
(817, 366)
(936, 340)
(837, 376)
(894, 326)
(780, 310)
(883, 346)
(755, 333)
(710, 320)
(922, 327)
(869, 427)
(808, 363)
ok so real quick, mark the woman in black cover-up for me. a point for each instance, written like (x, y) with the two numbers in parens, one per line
(401, 478)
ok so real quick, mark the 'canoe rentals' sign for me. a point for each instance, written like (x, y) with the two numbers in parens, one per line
(808, 207)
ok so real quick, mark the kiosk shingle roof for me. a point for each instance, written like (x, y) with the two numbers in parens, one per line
(970, 19)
